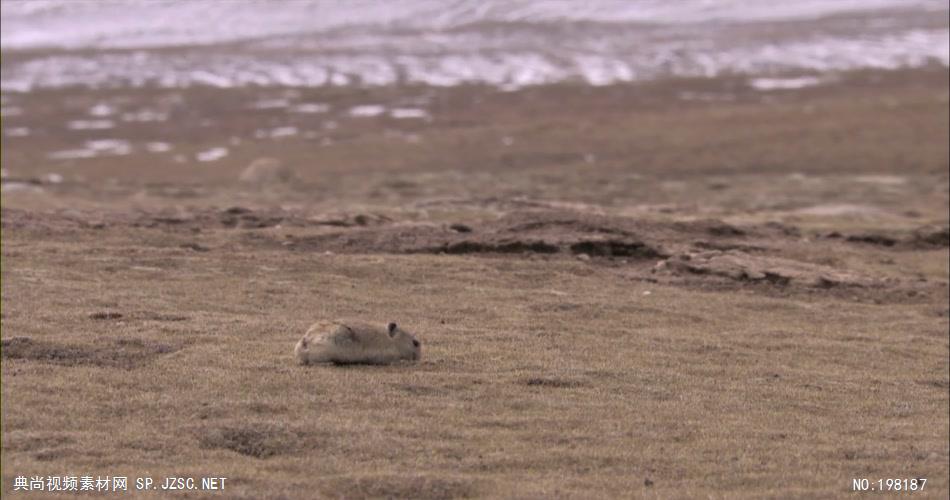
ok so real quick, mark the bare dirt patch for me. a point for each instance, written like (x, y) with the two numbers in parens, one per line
(36, 442)
(554, 382)
(258, 440)
(118, 353)
(156, 316)
(106, 315)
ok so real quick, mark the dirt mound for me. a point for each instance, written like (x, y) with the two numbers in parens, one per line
(554, 382)
(872, 239)
(511, 246)
(703, 253)
(232, 217)
(572, 233)
(923, 238)
(740, 266)
(120, 353)
(519, 233)
(350, 220)
(12, 218)
(238, 217)
(190, 220)
(930, 237)
(105, 315)
(260, 440)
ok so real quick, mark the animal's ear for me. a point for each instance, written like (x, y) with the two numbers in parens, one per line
(392, 329)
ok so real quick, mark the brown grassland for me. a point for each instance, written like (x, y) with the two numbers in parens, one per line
(668, 290)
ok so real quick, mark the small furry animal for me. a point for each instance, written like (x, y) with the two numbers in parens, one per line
(356, 342)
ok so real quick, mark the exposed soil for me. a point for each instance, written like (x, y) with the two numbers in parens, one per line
(261, 440)
(706, 253)
(119, 353)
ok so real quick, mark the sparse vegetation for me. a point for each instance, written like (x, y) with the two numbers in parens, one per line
(749, 319)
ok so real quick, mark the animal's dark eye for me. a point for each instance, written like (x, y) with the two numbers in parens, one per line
(415, 343)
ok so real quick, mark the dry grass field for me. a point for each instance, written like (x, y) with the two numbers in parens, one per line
(674, 290)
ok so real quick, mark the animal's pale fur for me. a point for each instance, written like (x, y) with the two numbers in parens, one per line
(356, 342)
(267, 171)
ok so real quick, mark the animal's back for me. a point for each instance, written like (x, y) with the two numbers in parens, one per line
(361, 333)
(346, 341)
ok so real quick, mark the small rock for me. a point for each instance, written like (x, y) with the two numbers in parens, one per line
(583, 257)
